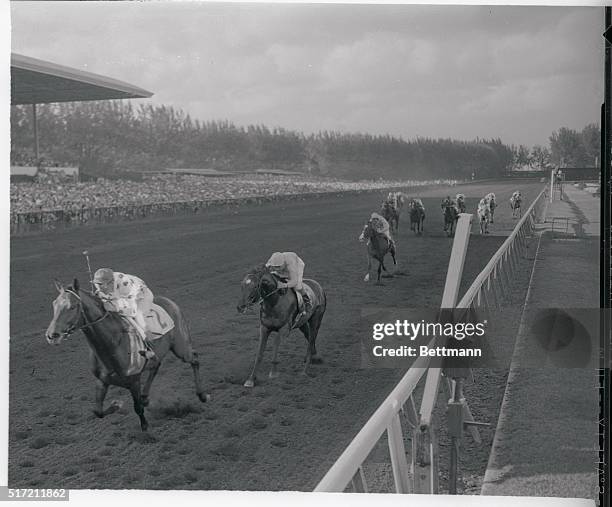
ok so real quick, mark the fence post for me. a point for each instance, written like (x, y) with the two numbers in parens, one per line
(552, 184)
(425, 448)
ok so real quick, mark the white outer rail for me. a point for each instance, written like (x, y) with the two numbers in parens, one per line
(387, 416)
(347, 467)
(508, 251)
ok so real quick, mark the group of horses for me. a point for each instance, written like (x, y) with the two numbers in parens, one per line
(111, 341)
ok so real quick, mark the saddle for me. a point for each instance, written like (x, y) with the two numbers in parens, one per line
(305, 305)
(158, 324)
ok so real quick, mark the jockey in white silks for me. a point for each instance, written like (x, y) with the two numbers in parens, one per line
(129, 296)
(380, 225)
(460, 202)
(290, 269)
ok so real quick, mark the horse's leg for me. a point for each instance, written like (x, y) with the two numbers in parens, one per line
(306, 331)
(275, 343)
(138, 405)
(380, 268)
(183, 349)
(101, 390)
(314, 325)
(264, 332)
(148, 382)
(367, 277)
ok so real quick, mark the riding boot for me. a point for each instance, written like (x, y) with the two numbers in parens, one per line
(303, 304)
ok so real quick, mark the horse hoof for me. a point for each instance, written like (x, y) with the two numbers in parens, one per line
(249, 383)
(316, 360)
(204, 397)
(366, 278)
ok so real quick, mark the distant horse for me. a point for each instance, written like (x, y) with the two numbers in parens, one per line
(490, 198)
(111, 355)
(278, 311)
(378, 246)
(484, 215)
(451, 215)
(391, 214)
(460, 198)
(515, 204)
(417, 215)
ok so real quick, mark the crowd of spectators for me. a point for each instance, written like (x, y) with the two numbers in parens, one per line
(53, 199)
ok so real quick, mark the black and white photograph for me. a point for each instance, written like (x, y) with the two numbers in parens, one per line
(313, 247)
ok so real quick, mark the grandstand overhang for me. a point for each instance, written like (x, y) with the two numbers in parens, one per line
(36, 81)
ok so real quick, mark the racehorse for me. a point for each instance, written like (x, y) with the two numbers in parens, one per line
(515, 204)
(107, 335)
(417, 215)
(378, 247)
(484, 215)
(460, 198)
(451, 215)
(490, 198)
(391, 214)
(278, 311)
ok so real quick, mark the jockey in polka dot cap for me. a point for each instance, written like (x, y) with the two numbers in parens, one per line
(129, 296)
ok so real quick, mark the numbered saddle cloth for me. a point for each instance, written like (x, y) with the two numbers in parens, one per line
(158, 322)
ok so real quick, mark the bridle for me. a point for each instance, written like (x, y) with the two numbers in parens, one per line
(261, 299)
(73, 327)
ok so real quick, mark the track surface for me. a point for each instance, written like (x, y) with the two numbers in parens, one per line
(282, 435)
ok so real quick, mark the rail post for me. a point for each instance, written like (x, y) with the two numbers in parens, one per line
(425, 449)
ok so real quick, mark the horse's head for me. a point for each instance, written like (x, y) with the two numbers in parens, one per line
(256, 285)
(368, 231)
(66, 313)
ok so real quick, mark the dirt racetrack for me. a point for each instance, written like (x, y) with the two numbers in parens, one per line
(282, 435)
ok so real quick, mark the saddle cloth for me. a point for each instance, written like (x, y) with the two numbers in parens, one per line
(311, 297)
(158, 322)
(137, 361)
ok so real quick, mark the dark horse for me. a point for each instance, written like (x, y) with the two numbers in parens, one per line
(417, 217)
(451, 215)
(391, 214)
(378, 247)
(107, 336)
(277, 313)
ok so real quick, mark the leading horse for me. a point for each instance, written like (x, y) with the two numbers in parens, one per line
(278, 311)
(107, 335)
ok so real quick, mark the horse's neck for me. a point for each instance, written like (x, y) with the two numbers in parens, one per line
(103, 336)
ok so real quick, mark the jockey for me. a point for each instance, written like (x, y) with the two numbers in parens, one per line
(447, 203)
(460, 202)
(290, 269)
(417, 203)
(129, 296)
(380, 225)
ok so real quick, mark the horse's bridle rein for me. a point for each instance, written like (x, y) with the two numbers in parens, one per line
(73, 328)
(261, 298)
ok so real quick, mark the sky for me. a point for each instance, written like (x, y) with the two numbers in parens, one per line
(517, 73)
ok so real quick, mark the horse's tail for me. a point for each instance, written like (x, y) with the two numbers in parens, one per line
(181, 326)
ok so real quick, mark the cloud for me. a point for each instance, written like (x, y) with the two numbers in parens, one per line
(448, 71)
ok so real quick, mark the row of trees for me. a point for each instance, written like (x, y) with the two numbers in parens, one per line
(568, 148)
(108, 137)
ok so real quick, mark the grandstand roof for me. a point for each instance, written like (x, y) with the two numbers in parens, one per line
(36, 81)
